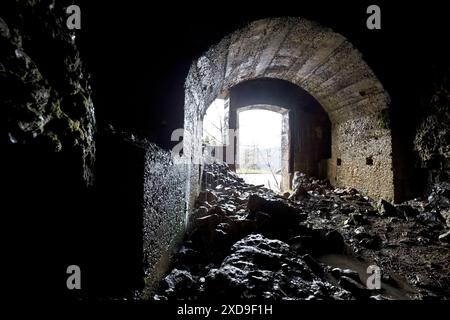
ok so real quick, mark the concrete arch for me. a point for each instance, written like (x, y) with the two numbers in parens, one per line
(323, 63)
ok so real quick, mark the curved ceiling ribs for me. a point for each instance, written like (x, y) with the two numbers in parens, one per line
(313, 57)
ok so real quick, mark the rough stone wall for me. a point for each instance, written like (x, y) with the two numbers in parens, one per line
(365, 161)
(164, 211)
(318, 60)
(195, 108)
(46, 96)
(139, 216)
(47, 130)
(432, 140)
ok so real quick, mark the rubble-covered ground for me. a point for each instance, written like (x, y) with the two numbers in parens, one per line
(318, 242)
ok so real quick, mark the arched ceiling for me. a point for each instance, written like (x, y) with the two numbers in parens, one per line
(311, 56)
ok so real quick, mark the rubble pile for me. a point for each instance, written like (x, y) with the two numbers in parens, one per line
(316, 242)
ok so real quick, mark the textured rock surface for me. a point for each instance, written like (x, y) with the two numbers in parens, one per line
(263, 268)
(323, 63)
(46, 96)
(164, 210)
(47, 130)
(432, 141)
(257, 268)
(353, 142)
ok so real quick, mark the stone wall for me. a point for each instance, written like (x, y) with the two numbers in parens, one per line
(361, 157)
(58, 214)
(48, 128)
(164, 211)
(140, 210)
(46, 96)
(432, 139)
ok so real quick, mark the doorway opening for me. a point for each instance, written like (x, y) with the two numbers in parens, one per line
(262, 141)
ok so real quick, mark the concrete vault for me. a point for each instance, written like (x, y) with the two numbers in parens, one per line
(327, 67)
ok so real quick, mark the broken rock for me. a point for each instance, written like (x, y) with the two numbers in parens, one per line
(259, 267)
(275, 208)
(208, 196)
(357, 289)
(386, 209)
(445, 237)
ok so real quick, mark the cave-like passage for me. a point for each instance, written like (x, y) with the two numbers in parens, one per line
(260, 148)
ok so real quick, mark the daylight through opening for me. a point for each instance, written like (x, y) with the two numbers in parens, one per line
(259, 145)
(214, 124)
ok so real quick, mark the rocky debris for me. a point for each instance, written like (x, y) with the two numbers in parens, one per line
(433, 210)
(216, 175)
(299, 194)
(276, 213)
(409, 211)
(188, 257)
(386, 209)
(247, 241)
(302, 181)
(260, 267)
(338, 273)
(257, 267)
(332, 242)
(207, 196)
(356, 218)
(439, 195)
(179, 283)
(446, 215)
(445, 237)
(355, 287)
(314, 265)
(439, 202)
